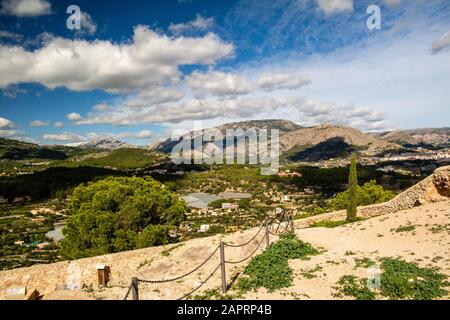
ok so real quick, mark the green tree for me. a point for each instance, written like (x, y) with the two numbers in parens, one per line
(115, 214)
(153, 235)
(352, 191)
(369, 193)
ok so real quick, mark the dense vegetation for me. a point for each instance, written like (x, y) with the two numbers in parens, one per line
(117, 214)
(369, 193)
(121, 159)
(46, 184)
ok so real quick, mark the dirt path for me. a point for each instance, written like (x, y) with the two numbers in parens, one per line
(374, 238)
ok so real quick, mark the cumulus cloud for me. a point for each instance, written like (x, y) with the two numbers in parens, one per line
(152, 96)
(74, 116)
(6, 124)
(143, 134)
(218, 83)
(64, 136)
(88, 25)
(330, 7)
(8, 129)
(199, 24)
(150, 59)
(299, 109)
(39, 123)
(274, 81)
(92, 136)
(441, 44)
(58, 124)
(10, 35)
(26, 8)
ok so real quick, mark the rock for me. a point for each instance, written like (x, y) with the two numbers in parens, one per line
(16, 293)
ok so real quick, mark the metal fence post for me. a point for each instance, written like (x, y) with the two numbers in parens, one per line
(135, 288)
(222, 267)
(267, 232)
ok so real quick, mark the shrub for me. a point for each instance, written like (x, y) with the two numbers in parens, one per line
(271, 268)
(369, 193)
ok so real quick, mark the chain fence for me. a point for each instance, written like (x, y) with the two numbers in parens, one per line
(284, 217)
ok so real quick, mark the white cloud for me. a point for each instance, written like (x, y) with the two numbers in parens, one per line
(65, 136)
(144, 134)
(58, 124)
(10, 35)
(13, 91)
(218, 83)
(101, 107)
(393, 3)
(6, 124)
(330, 7)
(442, 43)
(39, 123)
(153, 96)
(88, 24)
(74, 116)
(279, 80)
(151, 59)
(26, 8)
(92, 136)
(200, 23)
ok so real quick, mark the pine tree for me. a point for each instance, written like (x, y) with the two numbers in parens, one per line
(352, 190)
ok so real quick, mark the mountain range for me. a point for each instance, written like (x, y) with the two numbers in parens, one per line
(297, 143)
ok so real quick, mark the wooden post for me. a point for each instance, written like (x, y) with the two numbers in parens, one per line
(101, 275)
(292, 222)
(267, 232)
(222, 267)
(135, 288)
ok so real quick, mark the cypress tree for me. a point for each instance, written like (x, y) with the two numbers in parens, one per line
(352, 189)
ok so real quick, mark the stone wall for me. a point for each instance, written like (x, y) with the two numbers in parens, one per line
(434, 188)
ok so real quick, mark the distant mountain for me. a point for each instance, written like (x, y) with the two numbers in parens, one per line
(106, 144)
(314, 136)
(437, 137)
(306, 144)
(19, 150)
(283, 126)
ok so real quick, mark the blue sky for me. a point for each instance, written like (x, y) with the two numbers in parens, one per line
(137, 70)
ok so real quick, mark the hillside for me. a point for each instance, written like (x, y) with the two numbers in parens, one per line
(19, 150)
(415, 233)
(106, 144)
(341, 139)
(307, 144)
(439, 137)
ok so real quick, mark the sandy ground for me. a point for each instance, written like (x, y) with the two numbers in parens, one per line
(373, 238)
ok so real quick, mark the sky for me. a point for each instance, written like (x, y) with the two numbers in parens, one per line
(137, 71)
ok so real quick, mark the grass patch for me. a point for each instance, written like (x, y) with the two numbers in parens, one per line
(311, 273)
(351, 286)
(166, 253)
(213, 294)
(332, 224)
(440, 228)
(406, 280)
(363, 263)
(399, 280)
(405, 228)
(271, 269)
